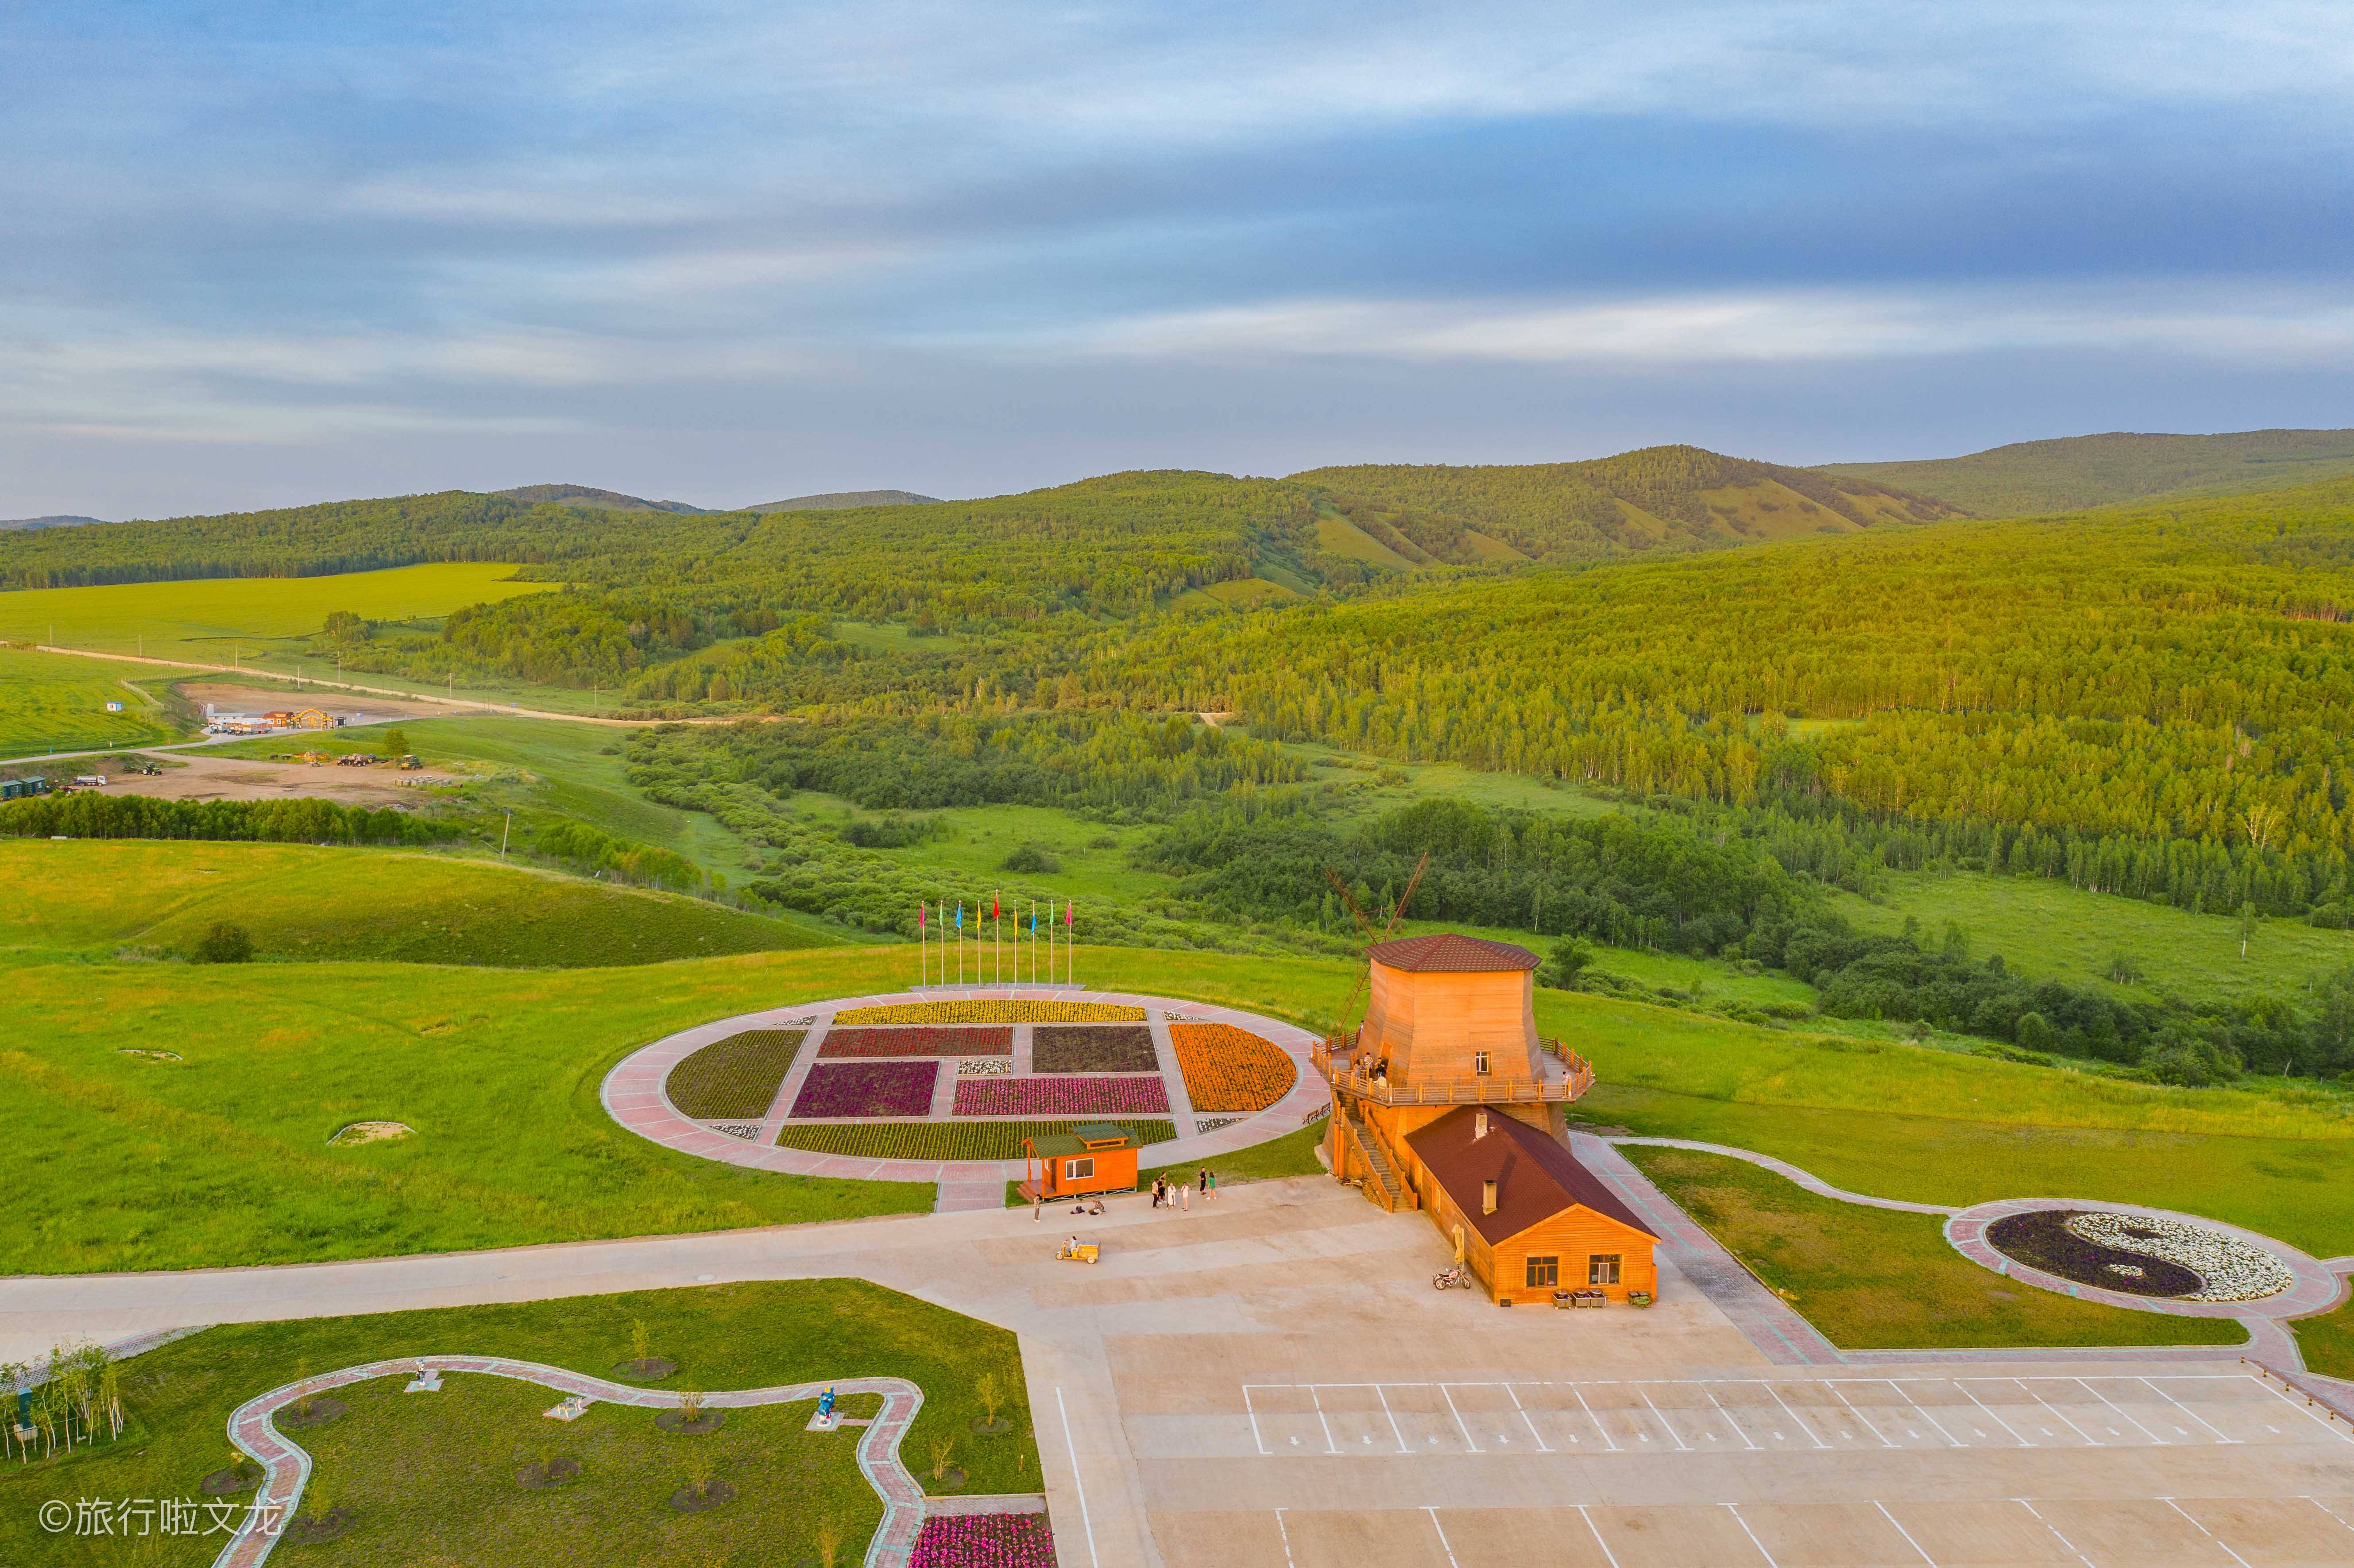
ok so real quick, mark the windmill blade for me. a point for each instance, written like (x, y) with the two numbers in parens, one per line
(1398, 914)
(1342, 888)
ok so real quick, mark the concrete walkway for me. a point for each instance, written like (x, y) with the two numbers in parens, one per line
(286, 1464)
(1806, 1179)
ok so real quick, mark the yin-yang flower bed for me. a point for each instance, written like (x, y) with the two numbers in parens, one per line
(1060, 1096)
(2137, 1255)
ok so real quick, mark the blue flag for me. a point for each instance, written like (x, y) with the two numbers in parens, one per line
(959, 916)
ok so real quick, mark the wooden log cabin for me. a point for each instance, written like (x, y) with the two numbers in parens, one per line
(1446, 1100)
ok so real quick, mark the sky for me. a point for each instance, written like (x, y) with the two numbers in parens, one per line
(262, 254)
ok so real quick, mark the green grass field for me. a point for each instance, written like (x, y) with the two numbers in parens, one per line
(299, 901)
(210, 618)
(52, 704)
(1877, 1279)
(2047, 928)
(2327, 1341)
(122, 1163)
(433, 1477)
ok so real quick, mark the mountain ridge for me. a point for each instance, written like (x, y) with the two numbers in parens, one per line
(2073, 473)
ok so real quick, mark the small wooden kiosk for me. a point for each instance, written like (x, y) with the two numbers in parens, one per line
(1446, 1100)
(1093, 1157)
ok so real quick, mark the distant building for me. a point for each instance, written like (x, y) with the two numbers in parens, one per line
(1093, 1157)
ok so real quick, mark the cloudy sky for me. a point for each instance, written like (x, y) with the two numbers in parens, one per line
(256, 254)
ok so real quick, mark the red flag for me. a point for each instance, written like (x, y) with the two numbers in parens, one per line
(919, 917)
(992, 906)
(1066, 913)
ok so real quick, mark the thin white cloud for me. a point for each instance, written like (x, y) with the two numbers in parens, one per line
(2235, 321)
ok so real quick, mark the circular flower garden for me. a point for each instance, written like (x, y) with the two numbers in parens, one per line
(2140, 1255)
(962, 1079)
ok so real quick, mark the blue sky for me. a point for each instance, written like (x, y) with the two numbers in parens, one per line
(260, 254)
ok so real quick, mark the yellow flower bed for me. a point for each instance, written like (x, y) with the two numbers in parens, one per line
(992, 1013)
(1230, 1069)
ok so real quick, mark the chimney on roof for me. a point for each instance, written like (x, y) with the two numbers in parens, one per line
(1479, 1125)
(1487, 1197)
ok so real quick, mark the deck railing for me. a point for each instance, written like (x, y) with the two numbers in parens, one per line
(1337, 1059)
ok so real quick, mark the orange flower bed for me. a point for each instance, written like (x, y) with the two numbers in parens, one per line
(1230, 1069)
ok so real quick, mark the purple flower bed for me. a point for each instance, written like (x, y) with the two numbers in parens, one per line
(868, 1088)
(918, 1040)
(984, 1540)
(1060, 1096)
(2041, 1239)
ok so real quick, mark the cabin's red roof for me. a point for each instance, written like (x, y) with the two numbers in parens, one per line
(1448, 952)
(1536, 1178)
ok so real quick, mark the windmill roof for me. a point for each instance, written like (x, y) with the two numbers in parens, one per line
(1536, 1178)
(1450, 952)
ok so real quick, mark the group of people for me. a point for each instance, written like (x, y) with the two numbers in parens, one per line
(1179, 1194)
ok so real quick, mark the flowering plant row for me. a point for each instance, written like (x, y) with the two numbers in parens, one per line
(734, 1078)
(988, 1011)
(943, 1139)
(1230, 1069)
(1060, 1096)
(918, 1040)
(984, 1540)
(868, 1088)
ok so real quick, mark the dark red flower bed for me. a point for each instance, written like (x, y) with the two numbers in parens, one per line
(2042, 1240)
(868, 1088)
(1093, 1048)
(984, 1540)
(918, 1040)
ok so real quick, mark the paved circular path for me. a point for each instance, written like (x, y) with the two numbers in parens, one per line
(286, 1466)
(2319, 1285)
(633, 1094)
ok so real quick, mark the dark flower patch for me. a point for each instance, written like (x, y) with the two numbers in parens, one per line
(868, 1088)
(1060, 1096)
(1093, 1048)
(918, 1041)
(2042, 1240)
(734, 1078)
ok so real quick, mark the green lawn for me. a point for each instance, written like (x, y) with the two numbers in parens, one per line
(299, 901)
(122, 1163)
(51, 702)
(2327, 1341)
(2047, 928)
(978, 838)
(432, 1476)
(1875, 1280)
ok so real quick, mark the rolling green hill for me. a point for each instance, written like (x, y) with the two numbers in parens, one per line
(596, 500)
(2080, 471)
(1677, 496)
(835, 500)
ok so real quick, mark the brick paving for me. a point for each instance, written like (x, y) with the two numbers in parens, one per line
(287, 1466)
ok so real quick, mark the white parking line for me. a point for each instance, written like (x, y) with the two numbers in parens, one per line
(1681, 1446)
(1921, 1409)
(1886, 1440)
(1597, 1425)
(1254, 1420)
(1329, 1442)
(1751, 1535)
(1280, 1531)
(1904, 1532)
(1078, 1481)
(2104, 1399)
(1525, 1421)
(2024, 1441)
(2328, 1510)
(1393, 1426)
(2188, 1411)
(2306, 1410)
(1791, 1414)
(1460, 1425)
(1443, 1546)
(2205, 1531)
(1608, 1555)
(2055, 1532)
(1737, 1429)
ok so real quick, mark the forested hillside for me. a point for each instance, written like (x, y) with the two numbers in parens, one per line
(2179, 682)
(2078, 471)
(1659, 496)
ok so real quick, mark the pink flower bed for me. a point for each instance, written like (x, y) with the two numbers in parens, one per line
(918, 1041)
(1060, 1096)
(984, 1540)
(868, 1088)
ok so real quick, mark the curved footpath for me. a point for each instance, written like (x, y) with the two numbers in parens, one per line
(286, 1466)
(633, 1094)
(2318, 1286)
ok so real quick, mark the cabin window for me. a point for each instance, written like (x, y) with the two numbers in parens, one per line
(1480, 1062)
(1602, 1268)
(1077, 1169)
(1545, 1273)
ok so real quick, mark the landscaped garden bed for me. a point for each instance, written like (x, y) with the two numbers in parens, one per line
(734, 1078)
(2139, 1255)
(943, 1139)
(987, 1011)
(984, 1540)
(868, 1088)
(1230, 1069)
(1061, 1096)
(1094, 1048)
(918, 1040)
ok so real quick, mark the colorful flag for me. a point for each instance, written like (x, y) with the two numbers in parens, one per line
(919, 915)
(1066, 913)
(992, 909)
(959, 919)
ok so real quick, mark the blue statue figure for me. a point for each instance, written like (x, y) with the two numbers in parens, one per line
(825, 1406)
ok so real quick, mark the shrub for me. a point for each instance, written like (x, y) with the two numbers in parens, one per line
(223, 944)
(392, 742)
(1033, 859)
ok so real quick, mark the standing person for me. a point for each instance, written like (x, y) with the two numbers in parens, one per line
(1209, 1185)
(1159, 1191)
(1203, 1179)
(1185, 1196)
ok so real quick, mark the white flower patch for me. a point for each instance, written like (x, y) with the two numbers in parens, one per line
(982, 1066)
(2233, 1271)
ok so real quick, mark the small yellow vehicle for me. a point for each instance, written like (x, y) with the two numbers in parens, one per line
(1079, 1252)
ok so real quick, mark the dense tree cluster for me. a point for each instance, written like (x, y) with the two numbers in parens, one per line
(83, 816)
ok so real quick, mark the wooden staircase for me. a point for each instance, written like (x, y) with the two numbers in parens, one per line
(1385, 1189)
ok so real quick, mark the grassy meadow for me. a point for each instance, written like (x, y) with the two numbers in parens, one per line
(1879, 1279)
(300, 901)
(432, 1479)
(53, 704)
